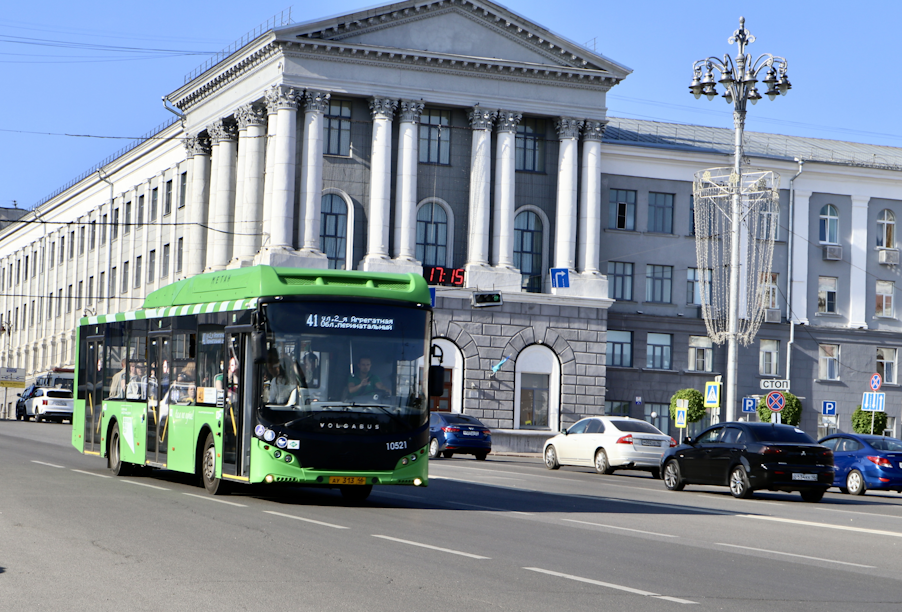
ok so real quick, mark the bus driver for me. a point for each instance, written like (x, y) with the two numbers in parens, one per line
(364, 383)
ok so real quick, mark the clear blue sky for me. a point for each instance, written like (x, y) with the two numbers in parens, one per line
(59, 77)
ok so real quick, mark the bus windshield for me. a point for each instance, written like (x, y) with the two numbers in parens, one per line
(329, 359)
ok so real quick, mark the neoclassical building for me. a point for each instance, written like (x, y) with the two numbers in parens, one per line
(459, 140)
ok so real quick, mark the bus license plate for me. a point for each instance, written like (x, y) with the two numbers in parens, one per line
(347, 480)
(804, 477)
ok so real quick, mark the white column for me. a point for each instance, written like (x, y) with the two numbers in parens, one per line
(800, 246)
(590, 198)
(377, 255)
(272, 122)
(211, 200)
(858, 279)
(284, 167)
(406, 184)
(249, 208)
(198, 149)
(480, 192)
(225, 139)
(315, 105)
(565, 236)
(505, 188)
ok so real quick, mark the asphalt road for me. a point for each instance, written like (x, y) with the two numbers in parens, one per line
(504, 534)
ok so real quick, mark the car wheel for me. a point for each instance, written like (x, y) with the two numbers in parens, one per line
(356, 494)
(672, 478)
(602, 465)
(481, 456)
(37, 418)
(212, 484)
(855, 483)
(18, 415)
(433, 449)
(117, 467)
(656, 473)
(551, 461)
(813, 495)
(447, 454)
(739, 483)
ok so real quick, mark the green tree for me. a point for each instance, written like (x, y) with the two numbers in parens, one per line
(696, 411)
(791, 413)
(861, 421)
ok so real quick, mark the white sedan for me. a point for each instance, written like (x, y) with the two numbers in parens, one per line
(609, 443)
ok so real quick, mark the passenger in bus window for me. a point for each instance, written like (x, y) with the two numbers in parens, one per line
(117, 384)
(276, 388)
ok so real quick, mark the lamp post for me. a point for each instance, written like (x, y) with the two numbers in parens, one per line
(739, 78)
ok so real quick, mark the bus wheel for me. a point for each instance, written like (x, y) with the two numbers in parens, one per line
(356, 494)
(117, 467)
(212, 484)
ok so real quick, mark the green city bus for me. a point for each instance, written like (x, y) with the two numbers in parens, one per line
(264, 375)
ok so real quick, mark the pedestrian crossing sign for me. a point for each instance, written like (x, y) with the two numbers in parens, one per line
(712, 394)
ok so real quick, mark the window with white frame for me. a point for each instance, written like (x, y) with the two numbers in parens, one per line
(886, 364)
(658, 351)
(884, 307)
(886, 229)
(829, 225)
(620, 280)
(828, 361)
(432, 234)
(620, 349)
(622, 209)
(333, 230)
(694, 285)
(826, 294)
(769, 357)
(700, 353)
(770, 289)
(537, 388)
(658, 283)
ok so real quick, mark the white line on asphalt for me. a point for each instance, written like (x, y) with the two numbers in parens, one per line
(429, 546)
(609, 585)
(479, 482)
(48, 464)
(144, 484)
(822, 509)
(486, 475)
(490, 508)
(213, 499)
(777, 552)
(92, 474)
(306, 520)
(894, 534)
(663, 535)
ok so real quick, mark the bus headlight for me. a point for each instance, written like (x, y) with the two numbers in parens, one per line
(277, 454)
(418, 482)
(404, 461)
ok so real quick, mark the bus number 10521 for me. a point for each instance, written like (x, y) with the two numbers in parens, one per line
(396, 445)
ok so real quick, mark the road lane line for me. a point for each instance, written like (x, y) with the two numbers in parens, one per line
(490, 508)
(777, 552)
(429, 546)
(92, 474)
(618, 587)
(48, 464)
(894, 534)
(663, 535)
(480, 482)
(306, 520)
(144, 484)
(213, 499)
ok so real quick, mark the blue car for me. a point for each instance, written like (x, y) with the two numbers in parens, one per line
(451, 433)
(865, 462)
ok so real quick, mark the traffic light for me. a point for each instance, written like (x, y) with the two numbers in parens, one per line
(484, 298)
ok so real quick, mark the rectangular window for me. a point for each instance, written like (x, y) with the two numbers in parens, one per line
(52, 255)
(661, 418)
(103, 223)
(337, 128)
(69, 299)
(178, 257)
(620, 349)
(530, 145)
(151, 264)
(101, 286)
(127, 222)
(615, 408)
(183, 189)
(826, 294)
(694, 286)
(620, 280)
(114, 226)
(692, 215)
(884, 299)
(78, 293)
(59, 303)
(435, 137)
(81, 240)
(26, 267)
(50, 306)
(137, 271)
(622, 209)
(770, 287)
(93, 235)
(90, 295)
(154, 198)
(534, 393)
(700, 353)
(31, 315)
(124, 287)
(167, 199)
(164, 265)
(71, 244)
(886, 364)
(140, 218)
(18, 271)
(828, 361)
(658, 283)
(113, 281)
(658, 351)
(660, 213)
(769, 358)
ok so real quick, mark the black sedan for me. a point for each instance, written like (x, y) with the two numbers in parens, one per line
(750, 456)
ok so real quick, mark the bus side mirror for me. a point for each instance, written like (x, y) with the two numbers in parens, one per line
(258, 346)
(436, 381)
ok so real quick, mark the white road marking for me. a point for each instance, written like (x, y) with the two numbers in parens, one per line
(144, 484)
(92, 474)
(663, 535)
(429, 546)
(48, 464)
(490, 508)
(306, 520)
(894, 534)
(213, 499)
(776, 552)
(480, 482)
(609, 585)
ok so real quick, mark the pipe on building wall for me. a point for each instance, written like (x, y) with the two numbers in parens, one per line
(792, 201)
(108, 292)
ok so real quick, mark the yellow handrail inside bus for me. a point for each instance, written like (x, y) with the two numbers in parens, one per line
(165, 425)
(232, 414)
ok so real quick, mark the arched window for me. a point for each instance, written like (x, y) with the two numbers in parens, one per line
(333, 230)
(432, 234)
(528, 249)
(537, 387)
(886, 229)
(829, 225)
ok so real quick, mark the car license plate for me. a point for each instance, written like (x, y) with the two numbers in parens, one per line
(651, 443)
(804, 477)
(470, 433)
(347, 480)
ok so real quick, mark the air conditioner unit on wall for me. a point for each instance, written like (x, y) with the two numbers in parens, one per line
(832, 252)
(888, 257)
(773, 315)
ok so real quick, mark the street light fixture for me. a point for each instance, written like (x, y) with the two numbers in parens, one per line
(739, 78)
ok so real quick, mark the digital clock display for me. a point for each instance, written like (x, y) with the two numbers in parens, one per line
(438, 275)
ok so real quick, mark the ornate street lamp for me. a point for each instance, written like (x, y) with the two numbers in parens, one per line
(747, 198)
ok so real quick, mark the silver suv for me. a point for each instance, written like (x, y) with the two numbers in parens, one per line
(47, 403)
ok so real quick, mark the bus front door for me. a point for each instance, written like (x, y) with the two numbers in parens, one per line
(157, 420)
(236, 417)
(93, 394)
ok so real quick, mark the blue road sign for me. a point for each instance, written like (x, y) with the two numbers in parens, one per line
(681, 417)
(873, 402)
(749, 404)
(712, 394)
(775, 401)
(560, 278)
(828, 408)
(432, 295)
(875, 382)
